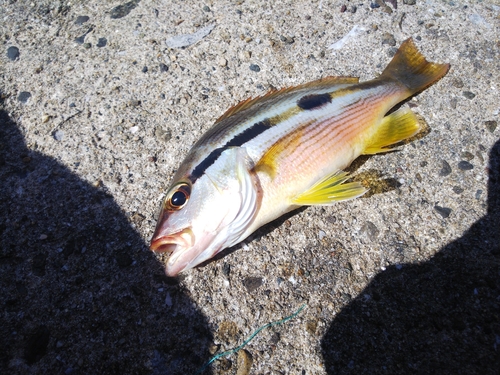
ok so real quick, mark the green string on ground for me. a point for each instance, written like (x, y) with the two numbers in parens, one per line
(235, 350)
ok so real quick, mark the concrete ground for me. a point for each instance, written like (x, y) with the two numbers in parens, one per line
(100, 103)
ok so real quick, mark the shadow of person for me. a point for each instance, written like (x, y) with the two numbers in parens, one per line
(438, 317)
(80, 291)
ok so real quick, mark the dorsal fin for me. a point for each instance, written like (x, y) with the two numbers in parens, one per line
(323, 82)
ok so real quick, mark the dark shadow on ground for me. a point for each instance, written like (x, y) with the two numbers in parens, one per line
(438, 317)
(80, 291)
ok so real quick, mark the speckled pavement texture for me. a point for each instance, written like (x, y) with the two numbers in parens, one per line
(96, 114)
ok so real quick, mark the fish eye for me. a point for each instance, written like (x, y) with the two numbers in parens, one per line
(178, 196)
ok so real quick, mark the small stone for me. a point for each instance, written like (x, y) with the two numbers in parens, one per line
(388, 38)
(144, 69)
(123, 10)
(465, 166)
(163, 68)
(206, 8)
(458, 83)
(244, 362)
(343, 8)
(491, 125)
(45, 118)
(254, 68)
(312, 326)
(43, 237)
(134, 103)
(469, 95)
(13, 53)
(80, 20)
(394, 3)
(374, 5)
(446, 169)
(369, 230)
(102, 42)
(252, 283)
(443, 211)
(58, 135)
(478, 193)
(467, 155)
(222, 61)
(353, 9)
(24, 96)
(457, 190)
(409, 2)
(87, 45)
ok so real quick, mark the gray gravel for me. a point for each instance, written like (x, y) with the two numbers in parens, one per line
(96, 114)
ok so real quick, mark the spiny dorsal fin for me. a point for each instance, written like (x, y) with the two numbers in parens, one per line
(273, 93)
(329, 190)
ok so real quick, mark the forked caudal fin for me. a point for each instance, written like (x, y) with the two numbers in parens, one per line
(409, 67)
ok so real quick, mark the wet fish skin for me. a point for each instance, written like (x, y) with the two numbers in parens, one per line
(272, 154)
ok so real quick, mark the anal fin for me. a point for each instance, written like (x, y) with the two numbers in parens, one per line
(394, 128)
(330, 190)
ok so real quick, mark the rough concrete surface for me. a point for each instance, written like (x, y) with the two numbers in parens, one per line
(96, 115)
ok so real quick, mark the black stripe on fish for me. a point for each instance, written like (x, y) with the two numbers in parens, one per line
(238, 140)
(314, 101)
(249, 133)
(206, 163)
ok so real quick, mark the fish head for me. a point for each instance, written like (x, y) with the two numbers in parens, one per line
(201, 218)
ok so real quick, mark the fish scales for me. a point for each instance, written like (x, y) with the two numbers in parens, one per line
(269, 155)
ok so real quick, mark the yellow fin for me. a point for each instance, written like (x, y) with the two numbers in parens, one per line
(330, 190)
(394, 128)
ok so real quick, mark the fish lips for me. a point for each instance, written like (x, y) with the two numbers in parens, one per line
(184, 252)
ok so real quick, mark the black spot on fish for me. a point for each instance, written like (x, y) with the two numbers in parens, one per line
(249, 133)
(313, 101)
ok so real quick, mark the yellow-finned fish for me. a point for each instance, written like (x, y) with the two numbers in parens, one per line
(272, 154)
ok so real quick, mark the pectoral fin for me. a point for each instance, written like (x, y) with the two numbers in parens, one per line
(394, 128)
(330, 190)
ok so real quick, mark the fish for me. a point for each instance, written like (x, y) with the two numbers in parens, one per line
(272, 154)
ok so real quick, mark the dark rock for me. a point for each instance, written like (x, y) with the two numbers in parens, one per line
(374, 5)
(80, 20)
(163, 67)
(206, 8)
(409, 2)
(469, 95)
(443, 211)
(446, 169)
(36, 347)
(255, 68)
(389, 39)
(123, 10)
(252, 283)
(102, 42)
(145, 69)
(13, 53)
(24, 96)
(467, 155)
(394, 3)
(458, 189)
(491, 125)
(343, 8)
(465, 166)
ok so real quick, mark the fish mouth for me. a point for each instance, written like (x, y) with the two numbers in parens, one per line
(173, 243)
